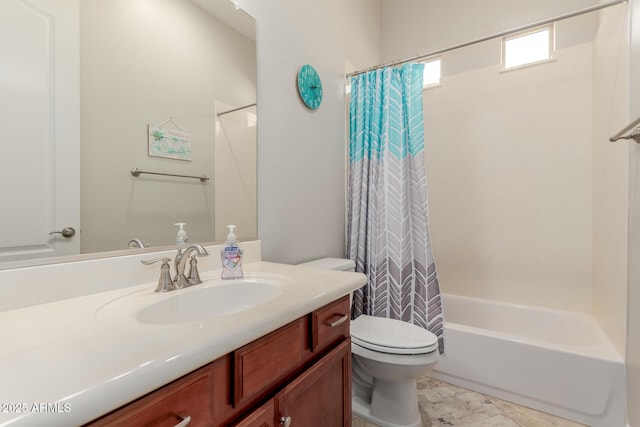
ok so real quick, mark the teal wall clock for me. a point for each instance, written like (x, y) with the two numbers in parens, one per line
(309, 86)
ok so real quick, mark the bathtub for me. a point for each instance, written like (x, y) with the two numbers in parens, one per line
(553, 361)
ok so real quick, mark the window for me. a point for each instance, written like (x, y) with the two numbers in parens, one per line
(527, 48)
(431, 76)
(252, 119)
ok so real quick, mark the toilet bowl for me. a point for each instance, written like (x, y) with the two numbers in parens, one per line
(388, 356)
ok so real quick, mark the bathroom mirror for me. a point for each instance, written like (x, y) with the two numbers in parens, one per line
(178, 73)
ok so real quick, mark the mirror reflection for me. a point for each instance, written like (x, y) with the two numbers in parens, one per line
(165, 86)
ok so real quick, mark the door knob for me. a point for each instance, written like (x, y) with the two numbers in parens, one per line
(67, 232)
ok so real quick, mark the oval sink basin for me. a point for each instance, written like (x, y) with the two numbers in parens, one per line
(210, 300)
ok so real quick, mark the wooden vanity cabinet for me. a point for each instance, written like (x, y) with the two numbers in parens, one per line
(301, 371)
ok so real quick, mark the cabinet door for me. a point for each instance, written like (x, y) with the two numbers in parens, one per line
(321, 396)
(262, 417)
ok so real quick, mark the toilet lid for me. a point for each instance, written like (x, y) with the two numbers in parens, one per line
(392, 336)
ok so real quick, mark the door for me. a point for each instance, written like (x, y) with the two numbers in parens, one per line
(39, 127)
(321, 396)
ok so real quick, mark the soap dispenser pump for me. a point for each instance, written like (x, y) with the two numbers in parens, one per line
(231, 257)
(181, 238)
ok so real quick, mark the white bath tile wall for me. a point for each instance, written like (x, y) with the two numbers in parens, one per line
(502, 223)
(611, 174)
(633, 333)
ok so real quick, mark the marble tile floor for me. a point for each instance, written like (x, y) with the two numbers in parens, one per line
(444, 405)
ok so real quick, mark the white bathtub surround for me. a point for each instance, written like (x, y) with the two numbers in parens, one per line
(88, 359)
(554, 361)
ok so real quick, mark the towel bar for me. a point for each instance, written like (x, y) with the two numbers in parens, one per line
(136, 172)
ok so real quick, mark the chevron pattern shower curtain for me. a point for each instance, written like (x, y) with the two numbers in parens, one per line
(387, 230)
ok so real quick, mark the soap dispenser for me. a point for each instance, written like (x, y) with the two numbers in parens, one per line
(181, 238)
(231, 257)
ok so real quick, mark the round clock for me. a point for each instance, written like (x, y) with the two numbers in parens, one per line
(309, 86)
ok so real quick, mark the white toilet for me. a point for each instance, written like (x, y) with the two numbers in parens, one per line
(388, 356)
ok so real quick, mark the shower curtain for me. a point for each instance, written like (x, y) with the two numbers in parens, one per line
(387, 230)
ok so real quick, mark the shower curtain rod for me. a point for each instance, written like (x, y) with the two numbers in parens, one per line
(492, 36)
(237, 109)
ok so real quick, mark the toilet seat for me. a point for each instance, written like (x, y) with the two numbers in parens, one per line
(391, 336)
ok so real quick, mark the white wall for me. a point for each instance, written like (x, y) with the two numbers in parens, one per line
(301, 153)
(610, 174)
(412, 27)
(508, 157)
(509, 175)
(141, 63)
(633, 332)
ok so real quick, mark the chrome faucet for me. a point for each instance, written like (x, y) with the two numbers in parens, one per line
(135, 243)
(181, 281)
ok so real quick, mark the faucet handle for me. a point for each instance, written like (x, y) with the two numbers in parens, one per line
(194, 276)
(153, 261)
(165, 284)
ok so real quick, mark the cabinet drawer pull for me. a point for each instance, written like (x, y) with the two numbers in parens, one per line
(185, 421)
(285, 421)
(338, 322)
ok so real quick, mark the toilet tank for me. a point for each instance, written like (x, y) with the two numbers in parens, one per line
(331, 264)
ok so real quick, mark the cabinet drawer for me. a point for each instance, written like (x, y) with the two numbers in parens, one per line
(187, 397)
(265, 361)
(331, 323)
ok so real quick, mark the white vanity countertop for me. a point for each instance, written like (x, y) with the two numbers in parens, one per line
(67, 362)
